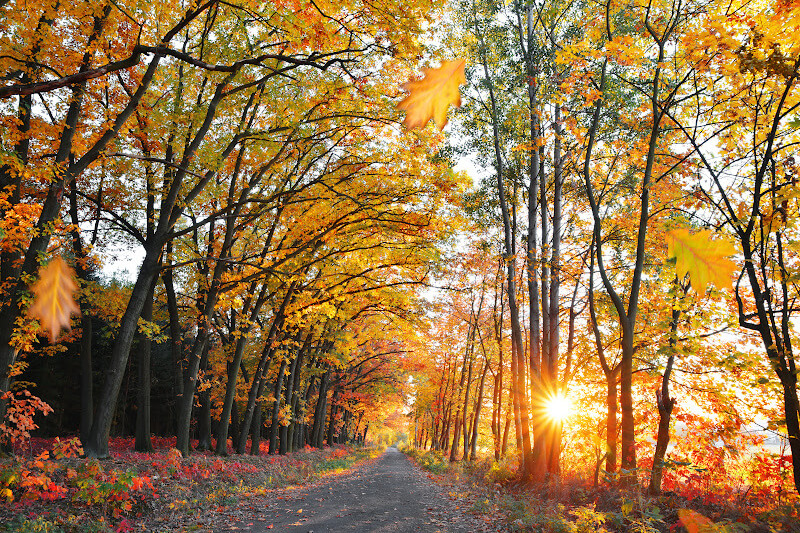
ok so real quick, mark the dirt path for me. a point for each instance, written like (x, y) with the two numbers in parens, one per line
(388, 494)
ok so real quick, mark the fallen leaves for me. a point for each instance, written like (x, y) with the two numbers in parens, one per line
(431, 96)
(694, 522)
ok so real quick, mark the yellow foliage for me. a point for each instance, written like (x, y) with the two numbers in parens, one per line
(703, 258)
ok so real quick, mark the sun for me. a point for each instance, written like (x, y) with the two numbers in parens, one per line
(558, 407)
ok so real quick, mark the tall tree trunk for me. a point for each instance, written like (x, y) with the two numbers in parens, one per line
(252, 309)
(289, 396)
(175, 331)
(611, 375)
(505, 433)
(97, 443)
(460, 416)
(143, 442)
(553, 388)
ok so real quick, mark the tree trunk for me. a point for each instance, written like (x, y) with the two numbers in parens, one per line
(473, 448)
(518, 377)
(258, 423)
(664, 403)
(204, 413)
(175, 333)
(263, 367)
(87, 376)
(332, 422)
(97, 443)
(143, 441)
(276, 407)
(233, 369)
(288, 397)
(320, 410)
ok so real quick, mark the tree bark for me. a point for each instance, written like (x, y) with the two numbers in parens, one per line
(143, 442)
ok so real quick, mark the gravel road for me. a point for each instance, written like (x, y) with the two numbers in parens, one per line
(387, 495)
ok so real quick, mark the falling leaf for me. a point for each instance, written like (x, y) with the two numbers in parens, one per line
(430, 97)
(54, 300)
(694, 522)
(703, 258)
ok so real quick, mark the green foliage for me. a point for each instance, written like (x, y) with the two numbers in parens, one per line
(431, 460)
(525, 514)
(33, 525)
(642, 515)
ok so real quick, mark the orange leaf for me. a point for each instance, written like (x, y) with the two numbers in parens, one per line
(430, 97)
(694, 522)
(54, 301)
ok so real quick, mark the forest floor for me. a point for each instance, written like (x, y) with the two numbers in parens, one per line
(48, 488)
(576, 506)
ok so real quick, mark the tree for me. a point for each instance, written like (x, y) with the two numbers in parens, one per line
(748, 183)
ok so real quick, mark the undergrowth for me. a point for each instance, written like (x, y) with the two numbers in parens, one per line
(570, 505)
(55, 490)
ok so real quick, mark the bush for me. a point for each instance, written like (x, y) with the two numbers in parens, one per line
(500, 472)
(431, 460)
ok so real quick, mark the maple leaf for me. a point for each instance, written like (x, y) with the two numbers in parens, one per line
(430, 97)
(703, 258)
(54, 300)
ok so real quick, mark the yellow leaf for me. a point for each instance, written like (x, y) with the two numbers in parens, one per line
(694, 522)
(54, 301)
(705, 260)
(430, 97)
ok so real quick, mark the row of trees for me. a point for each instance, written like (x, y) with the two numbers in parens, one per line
(252, 154)
(611, 129)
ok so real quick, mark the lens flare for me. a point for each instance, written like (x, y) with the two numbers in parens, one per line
(558, 408)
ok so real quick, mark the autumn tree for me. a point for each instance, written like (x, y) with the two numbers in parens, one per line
(747, 181)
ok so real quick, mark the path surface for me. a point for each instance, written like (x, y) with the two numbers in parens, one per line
(386, 495)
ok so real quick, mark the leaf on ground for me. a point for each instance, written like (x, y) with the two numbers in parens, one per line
(694, 522)
(703, 258)
(54, 297)
(430, 97)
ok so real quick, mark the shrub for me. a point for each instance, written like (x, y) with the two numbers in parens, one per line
(500, 472)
